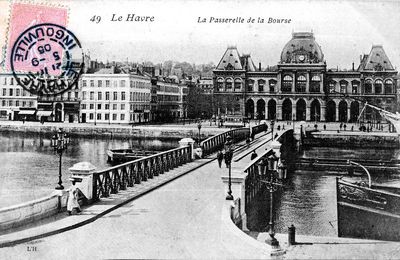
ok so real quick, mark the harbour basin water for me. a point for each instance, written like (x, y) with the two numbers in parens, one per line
(308, 200)
(29, 166)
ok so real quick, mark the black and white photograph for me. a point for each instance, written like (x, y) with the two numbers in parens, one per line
(188, 129)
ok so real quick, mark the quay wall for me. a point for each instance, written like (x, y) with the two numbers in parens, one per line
(115, 131)
(21, 214)
(353, 139)
(343, 169)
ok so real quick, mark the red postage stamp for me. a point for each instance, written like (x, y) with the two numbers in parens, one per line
(43, 55)
(24, 16)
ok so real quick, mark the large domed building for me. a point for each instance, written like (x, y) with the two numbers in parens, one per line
(300, 87)
(302, 48)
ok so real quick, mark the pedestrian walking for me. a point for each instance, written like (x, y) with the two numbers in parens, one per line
(324, 127)
(252, 136)
(253, 155)
(220, 158)
(344, 127)
(248, 142)
(352, 128)
(227, 159)
(73, 199)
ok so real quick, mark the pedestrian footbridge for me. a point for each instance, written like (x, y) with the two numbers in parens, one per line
(169, 205)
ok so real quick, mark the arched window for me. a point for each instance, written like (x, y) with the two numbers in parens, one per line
(238, 84)
(388, 86)
(331, 86)
(378, 86)
(272, 84)
(287, 83)
(368, 86)
(301, 84)
(261, 84)
(220, 84)
(315, 83)
(228, 83)
(354, 86)
(250, 85)
(343, 86)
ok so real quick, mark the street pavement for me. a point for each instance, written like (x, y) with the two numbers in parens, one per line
(316, 247)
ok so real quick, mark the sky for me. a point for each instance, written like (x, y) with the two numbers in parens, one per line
(343, 29)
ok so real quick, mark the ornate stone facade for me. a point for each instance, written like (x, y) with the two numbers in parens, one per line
(301, 87)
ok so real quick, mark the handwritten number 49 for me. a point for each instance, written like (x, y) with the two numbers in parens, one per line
(95, 19)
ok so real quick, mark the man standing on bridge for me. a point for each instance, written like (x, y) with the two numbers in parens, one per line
(253, 155)
(220, 157)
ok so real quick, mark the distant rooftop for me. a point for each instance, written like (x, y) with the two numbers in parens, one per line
(376, 60)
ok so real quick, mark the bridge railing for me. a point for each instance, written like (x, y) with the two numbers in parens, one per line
(252, 183)
(114, 179)
(259, 128)
(216, 142)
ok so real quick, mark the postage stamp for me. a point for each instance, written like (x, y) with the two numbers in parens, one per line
(44, 56)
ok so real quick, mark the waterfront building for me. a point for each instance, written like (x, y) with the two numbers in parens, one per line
(15, 102)
(18, 104)
(300, 87)
(115, 98)
(60, 108)
(206, 84)
(170, 98)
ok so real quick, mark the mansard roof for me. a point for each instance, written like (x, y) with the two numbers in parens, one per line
(376, 60)
(230, 60)
(247, 62)
(303, 44)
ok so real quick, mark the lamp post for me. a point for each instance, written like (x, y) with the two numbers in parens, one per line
(228, 161)
(272, 184)
(272, 129)
(199, 127)
(60, 142)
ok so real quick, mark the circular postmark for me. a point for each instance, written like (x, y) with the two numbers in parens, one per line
(47, 59)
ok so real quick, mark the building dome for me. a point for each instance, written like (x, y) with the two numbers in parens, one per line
(302, 48)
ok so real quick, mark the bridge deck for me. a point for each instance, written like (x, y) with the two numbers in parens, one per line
(186, 218)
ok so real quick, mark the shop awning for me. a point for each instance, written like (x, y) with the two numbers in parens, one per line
(26, 112)
(44, 113)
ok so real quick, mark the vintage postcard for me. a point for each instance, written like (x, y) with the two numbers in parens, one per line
(199, 129)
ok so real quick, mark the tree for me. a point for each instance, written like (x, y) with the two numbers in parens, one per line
(199, 103)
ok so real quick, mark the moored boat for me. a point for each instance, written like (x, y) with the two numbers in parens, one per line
(124, 155)
(368, 211)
